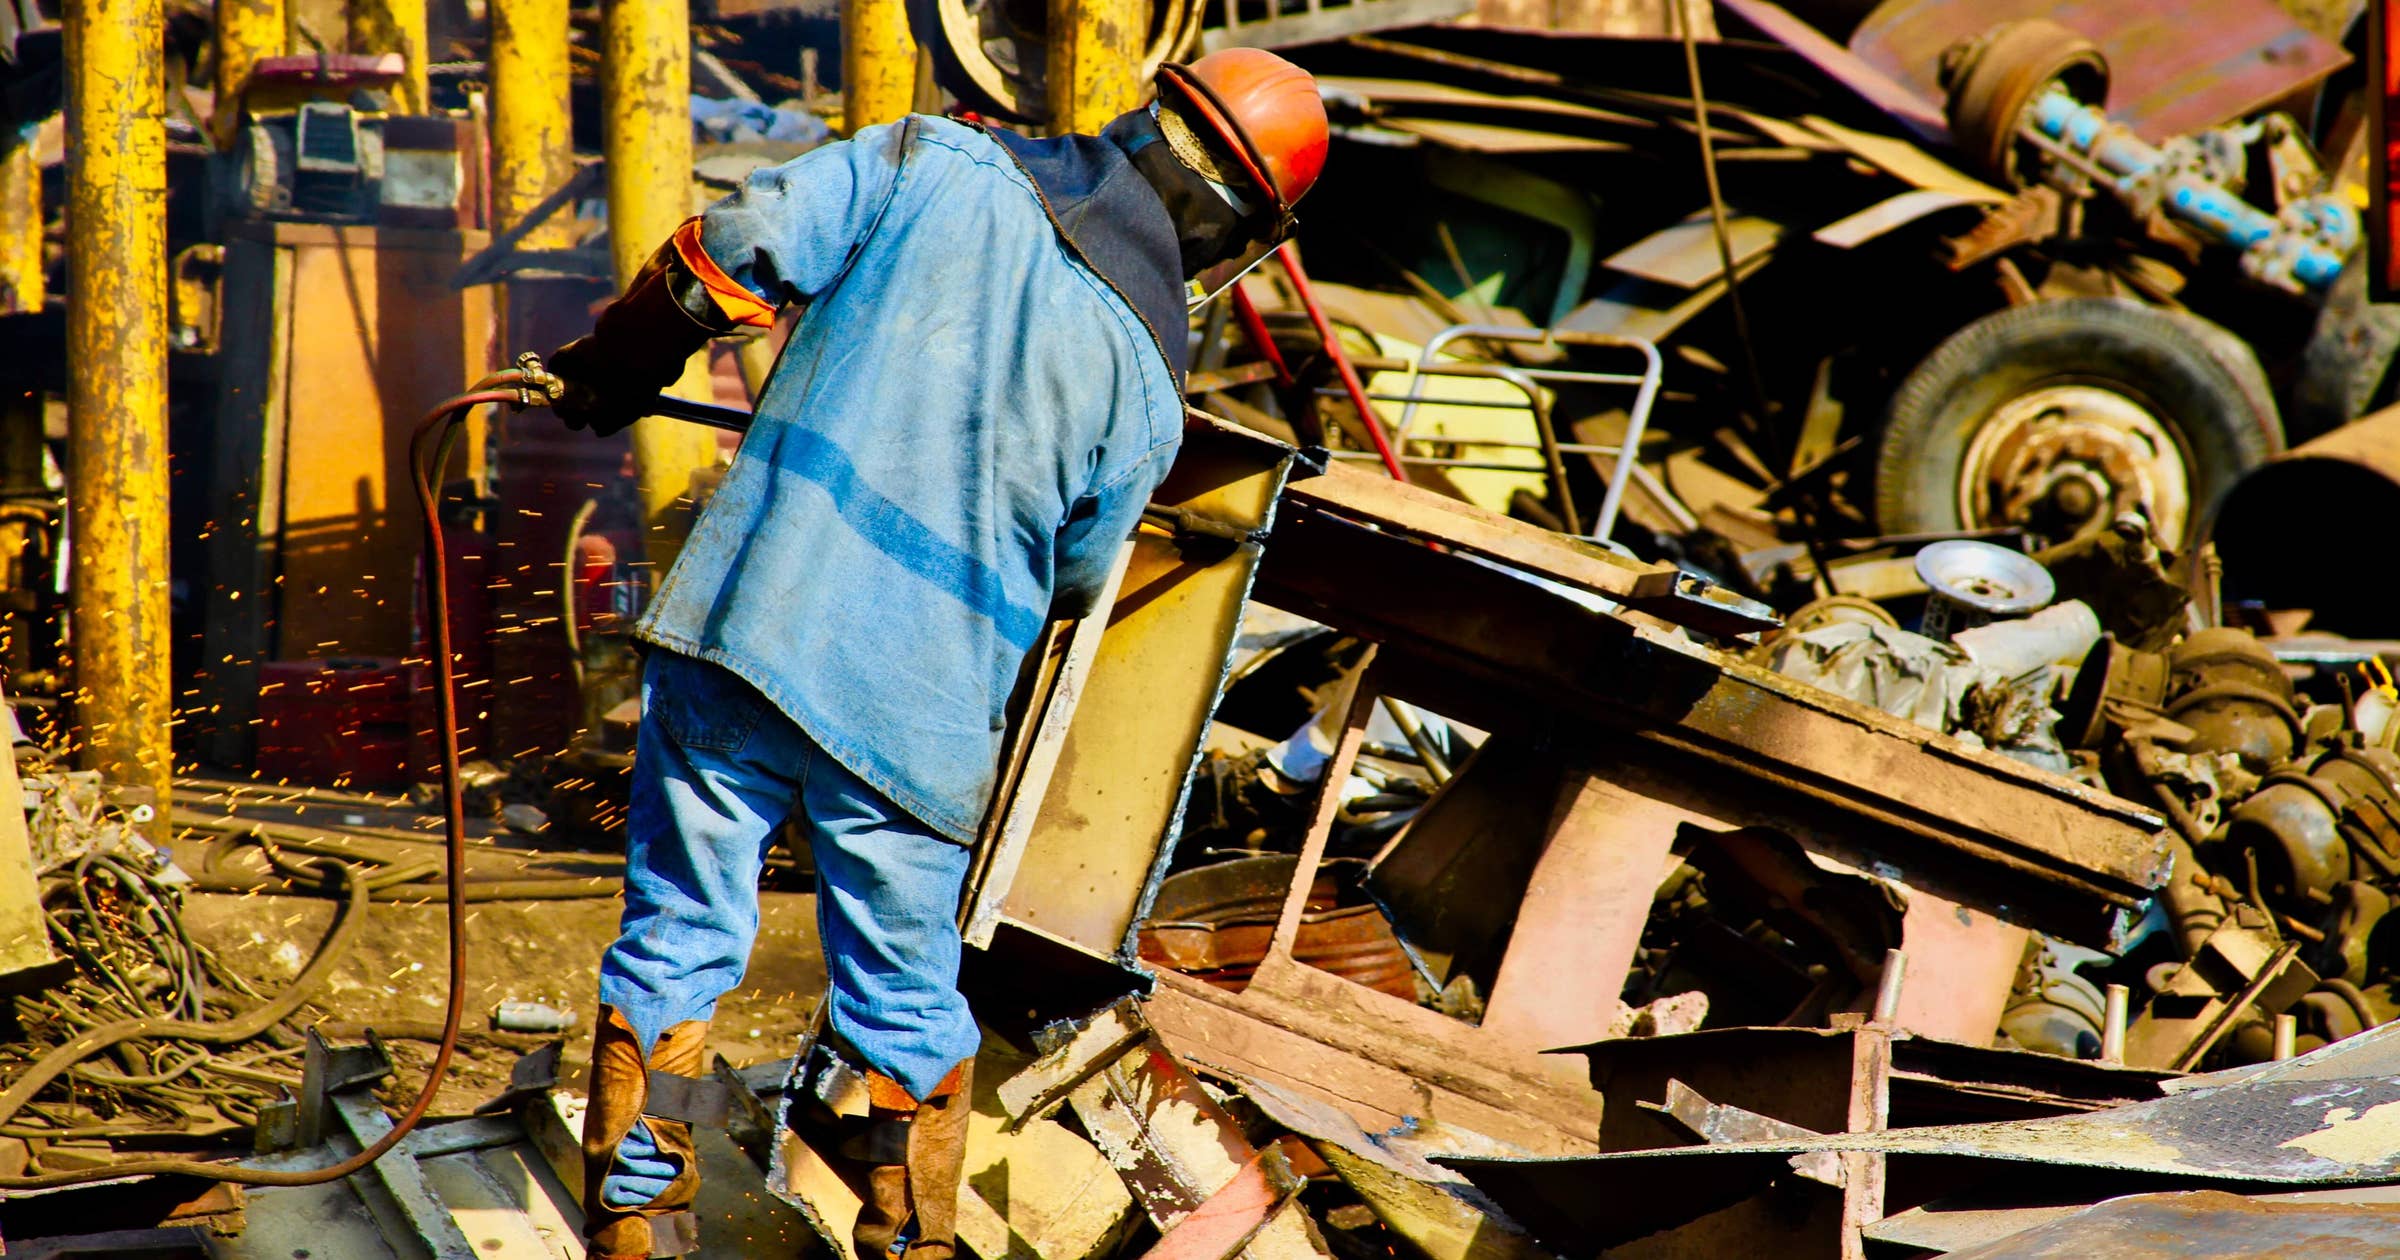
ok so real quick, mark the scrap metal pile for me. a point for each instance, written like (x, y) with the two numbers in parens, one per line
(1746, 668)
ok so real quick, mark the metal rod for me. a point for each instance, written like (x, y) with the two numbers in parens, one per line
(730, 419)
(2287, 1036)
(117, 390)
(1367, 418)
(2112, 1024)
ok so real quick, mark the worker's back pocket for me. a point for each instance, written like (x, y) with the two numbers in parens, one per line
(699, 704)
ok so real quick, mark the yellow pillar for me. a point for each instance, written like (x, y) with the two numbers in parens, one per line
(20, 224)
(247, 30)
(879, 63)
(117, 387)
(646, 114)
(1093, 68)
(384, 26)
(533, 149)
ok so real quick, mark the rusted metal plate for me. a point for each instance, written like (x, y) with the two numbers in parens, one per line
(2174, 67)
(1874, 83)
(2173, 1226)
(1729, 741)
(1658, 589)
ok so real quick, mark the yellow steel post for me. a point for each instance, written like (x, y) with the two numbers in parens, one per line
(387, 26)
(247, 31)
(117, 387)
(533, 152)
(1093, 68)
(879, 63)
(20, 223)
(646, 137)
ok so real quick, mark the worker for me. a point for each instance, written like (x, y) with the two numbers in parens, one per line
(983, 389)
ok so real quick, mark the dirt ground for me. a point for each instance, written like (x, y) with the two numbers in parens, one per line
(534, 951)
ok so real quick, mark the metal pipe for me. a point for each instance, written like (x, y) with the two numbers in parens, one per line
(2287, 1036)
(879, 63)
(646, 111)
(247, 31)
(2112, 1023)
(117, 390)
(395, 26)
(21, 287)
(1367, 417)
(1093, 70)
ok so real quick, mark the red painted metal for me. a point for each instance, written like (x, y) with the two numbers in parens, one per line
(2173, 68)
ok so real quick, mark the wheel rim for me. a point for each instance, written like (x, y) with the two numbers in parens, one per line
(2065, 460)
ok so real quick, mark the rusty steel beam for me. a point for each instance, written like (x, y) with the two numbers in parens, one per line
(1729, 741)
(117, 389)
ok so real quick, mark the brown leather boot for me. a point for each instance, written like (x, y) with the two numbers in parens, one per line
(669, 1094)
(916, 1154)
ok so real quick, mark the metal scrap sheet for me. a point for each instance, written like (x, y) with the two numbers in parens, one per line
(2210, 1222)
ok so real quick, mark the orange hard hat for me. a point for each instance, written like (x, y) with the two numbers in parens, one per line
(1267, 112)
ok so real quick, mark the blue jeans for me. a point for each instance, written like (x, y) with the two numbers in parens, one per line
(716, 769)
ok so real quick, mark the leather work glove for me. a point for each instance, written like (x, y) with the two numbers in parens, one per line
(637, 347)
(604, 392)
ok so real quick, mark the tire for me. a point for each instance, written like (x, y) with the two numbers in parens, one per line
(2151, 371)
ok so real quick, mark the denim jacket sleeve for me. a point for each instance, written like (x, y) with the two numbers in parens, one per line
(1096, 526)
(790, 231)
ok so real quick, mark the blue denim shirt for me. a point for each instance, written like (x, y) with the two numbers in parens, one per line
(963, 429)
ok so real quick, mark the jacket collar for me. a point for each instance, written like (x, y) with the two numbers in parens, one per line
(1109, 215)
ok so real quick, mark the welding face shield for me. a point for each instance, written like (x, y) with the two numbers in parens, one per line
(1204, 288)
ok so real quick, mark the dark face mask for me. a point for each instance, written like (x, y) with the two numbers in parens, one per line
(1207, 231)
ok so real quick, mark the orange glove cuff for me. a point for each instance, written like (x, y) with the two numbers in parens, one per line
(739, 304)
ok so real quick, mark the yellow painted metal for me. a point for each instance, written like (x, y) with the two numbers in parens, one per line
(1094, 65)
(533, 150)
(247, 30)
(879, 63)
(20, 225)
(645, 100)
(381, 26)
(1147, 703)
(117, 387)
